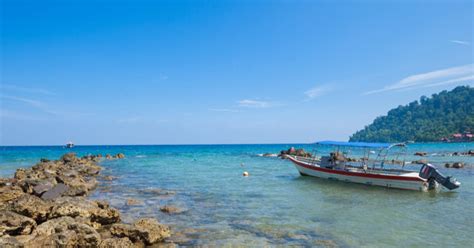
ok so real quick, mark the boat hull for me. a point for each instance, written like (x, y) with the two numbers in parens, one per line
(387, 181)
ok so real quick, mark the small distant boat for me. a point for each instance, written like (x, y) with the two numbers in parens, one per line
(337, 166)
(70, 144)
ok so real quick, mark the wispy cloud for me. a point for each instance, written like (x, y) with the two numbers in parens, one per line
(33, 103)
(26, 89)
(225, 110)
(316, 92)
(461, 42)
(248, 103)
(452, 75)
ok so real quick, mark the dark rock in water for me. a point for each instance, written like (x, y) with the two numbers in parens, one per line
(57, 191)
(147, 230)
(421, 153)
(448, 165)
(107, 156)
(458, 165)
(470, 152)
(170, 209)
(14, 224)
(32, 206)
(295, 152)
(120, 155)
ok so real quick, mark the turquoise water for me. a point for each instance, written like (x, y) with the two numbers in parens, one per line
(274, 205)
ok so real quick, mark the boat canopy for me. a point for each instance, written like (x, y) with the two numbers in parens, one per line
(356, 144)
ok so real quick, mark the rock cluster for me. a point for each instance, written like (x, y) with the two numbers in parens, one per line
(295, 152)
(46, 206)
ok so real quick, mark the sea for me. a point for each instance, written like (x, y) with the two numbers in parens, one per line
(274, 206)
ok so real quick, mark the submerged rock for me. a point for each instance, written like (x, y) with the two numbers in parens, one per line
(131, 202)
(170, 209)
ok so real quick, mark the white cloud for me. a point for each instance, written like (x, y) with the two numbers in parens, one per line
(26, 89)
(316, 92)
(451, 75)
(461, 42)
(248, 103)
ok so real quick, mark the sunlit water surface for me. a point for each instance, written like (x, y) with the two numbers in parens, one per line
(274, 205)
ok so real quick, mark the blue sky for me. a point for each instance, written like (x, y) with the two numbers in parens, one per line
(192, 72)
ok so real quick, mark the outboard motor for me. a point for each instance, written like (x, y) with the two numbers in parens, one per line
(429, 172)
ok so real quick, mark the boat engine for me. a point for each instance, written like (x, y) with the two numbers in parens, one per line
(430, 173)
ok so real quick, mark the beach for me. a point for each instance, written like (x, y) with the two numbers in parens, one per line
(200, 193)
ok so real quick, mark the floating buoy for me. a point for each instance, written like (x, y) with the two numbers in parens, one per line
(245, 174)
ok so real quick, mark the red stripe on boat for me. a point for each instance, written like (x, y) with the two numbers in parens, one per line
(355, 174)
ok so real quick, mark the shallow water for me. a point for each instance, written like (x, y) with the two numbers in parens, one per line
(275, 205)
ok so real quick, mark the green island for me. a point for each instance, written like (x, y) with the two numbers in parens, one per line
(446, 116)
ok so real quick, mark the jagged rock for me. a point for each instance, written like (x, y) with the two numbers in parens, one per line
(79, 207)
(69, 157)
(32, 206)
(448, 165)
(147, 230)
(10, 193)
(65, 232)
(421, 153)
(116, 243)
(120, 155)
(14, 224)
(6, 182)
(170, 209)
(421, 161)
(107, 156)
(57, 191)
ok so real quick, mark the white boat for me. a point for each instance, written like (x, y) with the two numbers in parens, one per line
(371, 172)
(70, 144)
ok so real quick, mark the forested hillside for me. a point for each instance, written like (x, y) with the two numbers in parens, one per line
(429, 119)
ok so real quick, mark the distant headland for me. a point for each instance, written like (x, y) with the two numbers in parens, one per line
(446, 116)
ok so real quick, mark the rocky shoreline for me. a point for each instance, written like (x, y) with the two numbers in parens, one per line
(47, 206)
